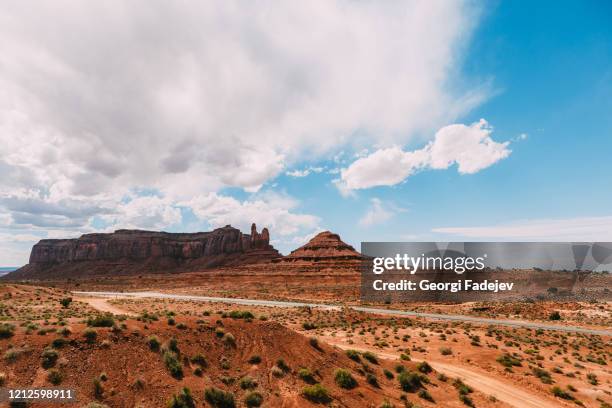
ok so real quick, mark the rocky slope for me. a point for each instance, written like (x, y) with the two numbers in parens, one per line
(132, 252)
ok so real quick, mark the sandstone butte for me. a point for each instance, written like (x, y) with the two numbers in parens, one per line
(130, 252)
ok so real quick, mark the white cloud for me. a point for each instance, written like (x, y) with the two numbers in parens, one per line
(470, 147)
(272, 210)
(305, 172)
(226, 97)
(379, 212)
(569, 229)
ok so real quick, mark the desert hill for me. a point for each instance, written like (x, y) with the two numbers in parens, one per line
(325, 246)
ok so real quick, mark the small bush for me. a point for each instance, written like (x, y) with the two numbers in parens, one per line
(173, 365)
(253, 399)
(558, 392)
(106, 320)
(247, 383)
(371, 357)
(316, 393)
(154, 343)
(425, 395)
(344, 379)
(353, 355)
(372, 380)
(6, 330)
(554, 316)
(182, 400)
(65, 302)
(241, 314)
(424, 367)
(306, 375)
(388, 374)
(58, 343)
(508, 361)
(54, 377)
(409, 381)
(49, 358)
(309, 326)
(255, 359)
(229, 340)
(446, 351)
(90, 335)
(200, 360)
(280, 363)
(219, 398)
(98, 388)
(314, 343)
(2, 379)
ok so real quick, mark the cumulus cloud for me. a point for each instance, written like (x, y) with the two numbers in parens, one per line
(569, 229)
(304, 172)
(188, 99)
(379, 212)
(272, 210)
(470, 147)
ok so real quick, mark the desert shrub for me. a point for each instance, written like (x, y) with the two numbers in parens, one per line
(387, 404)
(153, 343)
(425, 395)
(219, 332)
(316, 393)
(171, 321)
(54, 377)
(255, 359)
(198, 371)
(353, 355)
(2, 379)
(182, 400)
(247, 383)
(65, 331)
(371, 357)
(219, 398)
(388, 374)
(309, 326)
(462, 387)
(173, 365)
(542, 374)
(314, 343)
(241, 314)
(280, 363)
(592, 378)
(49, 358)
(466, 400)
(200, 360)
(229, 339)
(344, 379)
(554, 316)
(6, 330)
(424, 367)
(253, 399)
(11, 355)
(446, 351)
(277, 372)
(558, 392)
(409, 381)
(90, 335)
(306, 375)
(106, 320)
(508, 361)
(58, 343)
(98, 388)
(372, 380)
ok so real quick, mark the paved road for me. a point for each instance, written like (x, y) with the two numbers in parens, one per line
(275, 303)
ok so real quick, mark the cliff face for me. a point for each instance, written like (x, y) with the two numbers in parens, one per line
(134, 251)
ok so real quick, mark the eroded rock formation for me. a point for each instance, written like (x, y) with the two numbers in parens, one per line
(324, 247)
(135, 251)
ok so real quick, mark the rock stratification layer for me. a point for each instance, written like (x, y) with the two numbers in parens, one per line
(134, 251)
(325, 246)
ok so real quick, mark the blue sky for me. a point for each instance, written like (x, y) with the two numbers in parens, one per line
(371, 126)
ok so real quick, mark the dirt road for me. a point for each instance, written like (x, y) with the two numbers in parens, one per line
(276, 303)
